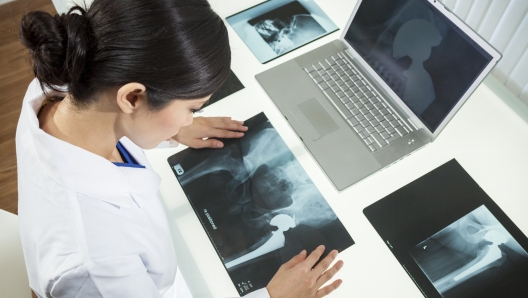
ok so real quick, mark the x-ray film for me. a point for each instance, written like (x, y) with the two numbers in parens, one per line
(451, 238)
(257, 204)
(277, 27)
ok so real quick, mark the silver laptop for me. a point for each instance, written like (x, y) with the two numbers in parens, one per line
(387, 87)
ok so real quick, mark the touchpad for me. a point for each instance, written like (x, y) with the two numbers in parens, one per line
(314, 119)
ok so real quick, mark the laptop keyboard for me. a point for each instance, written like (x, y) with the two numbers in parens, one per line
(370, 116)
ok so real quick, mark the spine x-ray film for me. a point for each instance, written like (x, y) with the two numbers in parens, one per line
(257, 204)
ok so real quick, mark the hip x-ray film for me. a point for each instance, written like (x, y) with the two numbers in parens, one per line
(257, 204)
(451, 238)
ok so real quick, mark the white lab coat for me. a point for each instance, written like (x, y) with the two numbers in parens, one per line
(88, 227)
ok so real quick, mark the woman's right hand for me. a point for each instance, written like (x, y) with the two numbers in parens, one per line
(296, 278)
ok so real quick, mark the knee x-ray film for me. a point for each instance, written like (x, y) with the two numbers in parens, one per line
(257, 204)
(451, 238)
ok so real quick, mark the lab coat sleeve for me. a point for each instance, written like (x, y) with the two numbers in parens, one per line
(110, 277)
(262, 293)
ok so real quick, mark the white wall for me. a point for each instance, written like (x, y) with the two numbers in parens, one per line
(504, 23)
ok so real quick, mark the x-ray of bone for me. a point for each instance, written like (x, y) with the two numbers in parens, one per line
(257, 204)
(287, 28)
(277, 27)
(475, 244)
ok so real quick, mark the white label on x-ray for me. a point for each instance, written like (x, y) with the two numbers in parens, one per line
(178, 169)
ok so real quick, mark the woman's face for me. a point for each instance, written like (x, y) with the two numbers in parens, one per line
(150, 128)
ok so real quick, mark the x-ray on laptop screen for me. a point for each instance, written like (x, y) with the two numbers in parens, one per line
(422, 56)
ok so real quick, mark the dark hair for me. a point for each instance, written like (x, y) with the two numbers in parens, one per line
(178, 49)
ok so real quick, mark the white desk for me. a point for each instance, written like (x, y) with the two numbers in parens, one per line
(487, 137)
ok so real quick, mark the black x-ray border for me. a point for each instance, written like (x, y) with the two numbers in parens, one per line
(427, 205)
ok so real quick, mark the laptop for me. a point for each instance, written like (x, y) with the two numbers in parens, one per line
(387, 87)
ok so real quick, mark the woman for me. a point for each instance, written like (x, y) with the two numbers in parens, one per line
(121, 76)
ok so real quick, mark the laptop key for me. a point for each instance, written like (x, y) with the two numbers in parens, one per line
(330, 61)
(344, 66)
(350, 106)
(323, 86)
(353, 121)
(340, 83)
(385, 135)
(379, 140)
(345, 100)
(335, 88)
(316, 66)
(354, 111)
(389, 117)
(394, 123)
(364, 123)
(324, 65)
(318, 80)
(391, 130)
(364, 111)
(363, 135)
(331, 83)
(309, 69)
(339, 93)
(401, 131)
(360, 117)
(364, 88)
(367, 141)
(393, 138)
(369, 116)
(358, 129)
(370, 129)
(358, 84)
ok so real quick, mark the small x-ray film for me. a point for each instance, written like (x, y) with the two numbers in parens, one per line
(257, 204)
(451, 238)
(276, 27)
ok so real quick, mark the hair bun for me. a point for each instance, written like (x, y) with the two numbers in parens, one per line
(59, 46)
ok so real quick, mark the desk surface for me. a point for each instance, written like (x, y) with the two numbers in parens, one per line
(488, 137)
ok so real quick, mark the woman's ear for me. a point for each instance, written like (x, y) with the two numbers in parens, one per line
(131, 96)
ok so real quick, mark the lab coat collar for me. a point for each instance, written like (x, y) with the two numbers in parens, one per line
(85, 172)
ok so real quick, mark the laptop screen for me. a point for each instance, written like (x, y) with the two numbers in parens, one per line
(422, 56)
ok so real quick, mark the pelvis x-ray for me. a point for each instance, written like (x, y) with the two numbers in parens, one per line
(475, 246)
(257, 204)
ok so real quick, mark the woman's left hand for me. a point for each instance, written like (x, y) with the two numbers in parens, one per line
(203, 131)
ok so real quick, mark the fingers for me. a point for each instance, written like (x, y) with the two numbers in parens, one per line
(315, 256)
(328, 274)
(226, 134)
(295, 260)
(199, 144)
(225, 123)
(325, 263)
(329, 289)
